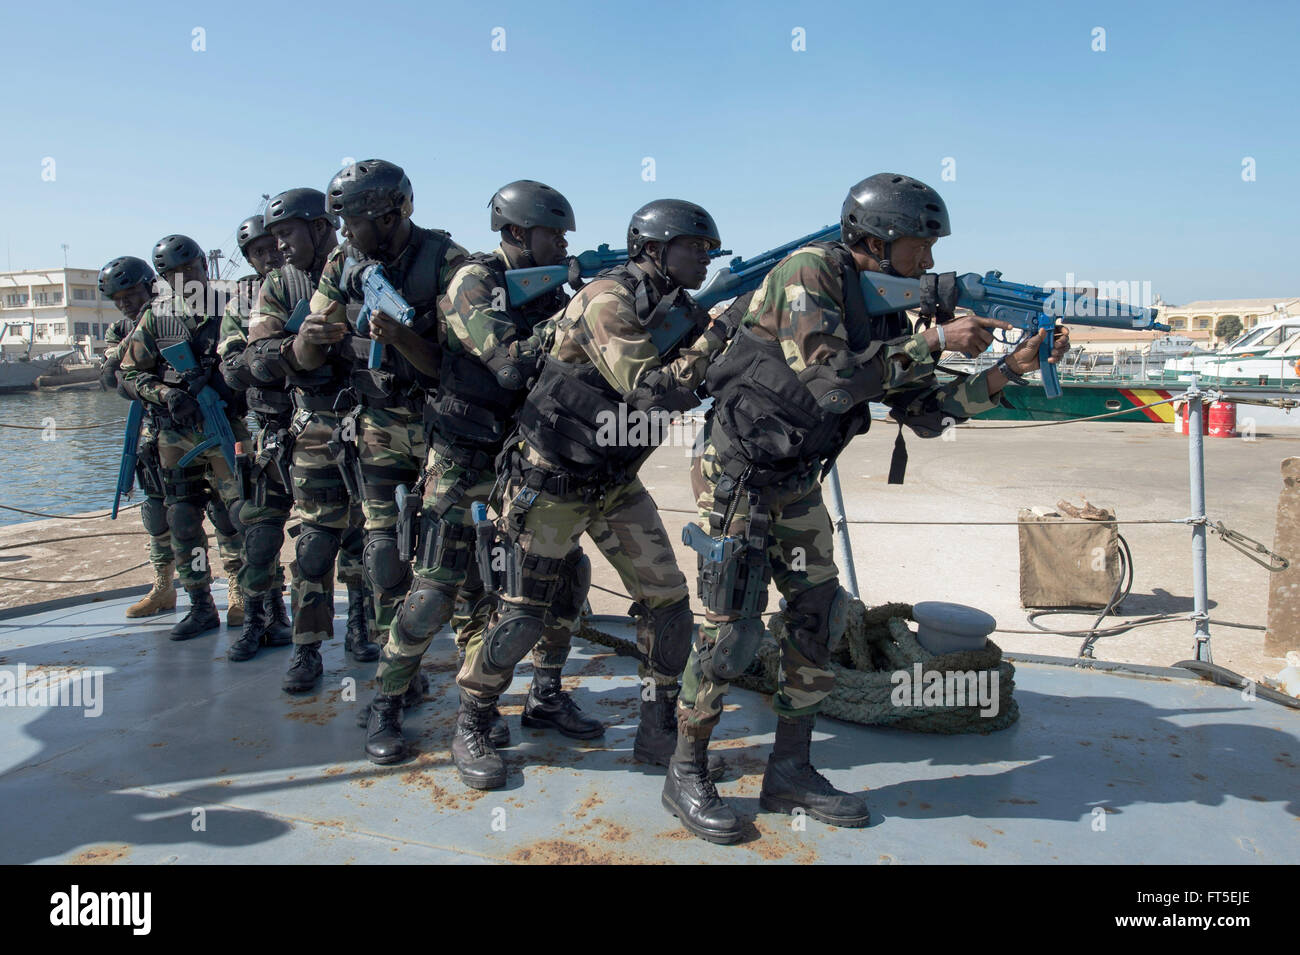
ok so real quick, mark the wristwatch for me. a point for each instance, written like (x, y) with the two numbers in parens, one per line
(1007, 373)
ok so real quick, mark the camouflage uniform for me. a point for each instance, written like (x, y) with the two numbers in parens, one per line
(168, 319)
(466, 421)
(801, 307)
(557, 488)
(386, 404)
(320, 499)
(257, 575)
(153, 515)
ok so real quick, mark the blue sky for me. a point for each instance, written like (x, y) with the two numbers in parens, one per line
(1122, 165)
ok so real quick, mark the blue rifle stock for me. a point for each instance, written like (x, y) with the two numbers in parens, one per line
(130, 452)
(1027, 307)
(300, 312)
(524, 285)
(216, 428)
(745, 275)
(378, 295)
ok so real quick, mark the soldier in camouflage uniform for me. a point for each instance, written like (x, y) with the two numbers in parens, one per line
(489, 357)
(632, 340)
(790, 391)
(182, 313)
(128, 281)
(384, 422)
(332, 529)
(266, 501)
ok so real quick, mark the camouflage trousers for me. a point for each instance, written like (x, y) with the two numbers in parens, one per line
(321, 500)
(160, 536)
(448, 562)
(207, 478)
(802, 556)
(623, 522)
(258, 576)
(392, 451)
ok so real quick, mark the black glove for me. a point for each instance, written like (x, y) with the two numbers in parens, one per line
(183, 408)
(236, 373)
(108, 377)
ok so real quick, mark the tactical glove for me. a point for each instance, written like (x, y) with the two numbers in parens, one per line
(183, 408)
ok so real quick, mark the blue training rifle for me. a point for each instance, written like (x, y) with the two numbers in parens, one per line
(378, 295)
(216, 427)
(130, 453)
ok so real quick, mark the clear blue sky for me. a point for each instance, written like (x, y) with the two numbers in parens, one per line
(1116, 165)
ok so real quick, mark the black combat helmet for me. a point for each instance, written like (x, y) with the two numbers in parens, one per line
(124, 272)
(369, 189)
(890, 207)
(666, 219)
(250, 230)
(303, 203)
(173, 251)
(526, 203)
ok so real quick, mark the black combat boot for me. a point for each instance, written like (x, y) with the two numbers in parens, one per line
(499, 732)
(550, 707)
(357, 641)
(202, 618)
(385, 743)
(689, 794)
(656, 735)
(790, 781)
(480, 766)
(304, 670)
(250, 638)
(415, 690)
(279, 629)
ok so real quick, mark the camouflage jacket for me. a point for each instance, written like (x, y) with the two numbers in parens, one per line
(475, 318)
(142, 362)
(800, 305)
(235, 321)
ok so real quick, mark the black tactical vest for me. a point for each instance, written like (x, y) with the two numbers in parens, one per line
(763, 415)
(268, 402)
(417, 276)
(469, 407)
(567, 415)
(170, 328)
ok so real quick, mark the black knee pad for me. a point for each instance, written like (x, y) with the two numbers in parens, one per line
(262, 543)
(388, 573)
(817, 618)
(185, 520)
(734, 650)
(315, 551)
(575, 584)
(426, 608)
(511, 637)
(670, 632)
(153, 515)
(222, 519)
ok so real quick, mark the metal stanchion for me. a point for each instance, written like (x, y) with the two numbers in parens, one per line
(843, 551)
(1196, 466)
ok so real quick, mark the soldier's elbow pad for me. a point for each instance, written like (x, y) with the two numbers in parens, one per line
(265, 361)
(836, 395)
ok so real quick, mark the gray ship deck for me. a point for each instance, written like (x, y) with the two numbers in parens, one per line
(1184, 771)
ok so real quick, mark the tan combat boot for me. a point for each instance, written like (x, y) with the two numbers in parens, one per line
(160, 599)
(234, 605)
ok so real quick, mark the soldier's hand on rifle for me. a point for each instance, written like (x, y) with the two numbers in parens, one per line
(389, 331)
(318, 330)
(969, 335)
(1025, 358)
(183, 408)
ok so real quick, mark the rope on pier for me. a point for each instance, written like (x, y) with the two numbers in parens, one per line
(65, 427)
(67, 517)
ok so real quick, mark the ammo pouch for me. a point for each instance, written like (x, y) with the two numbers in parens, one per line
(444, 545)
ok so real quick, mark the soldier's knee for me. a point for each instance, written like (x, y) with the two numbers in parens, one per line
(388, 573)
(185, 520)
(315, 551)
(354, 542)
(426, 608)
(222, 519)
(734, 649)
(668, 632)
(262, 543)
(817, 618)
(575, 584)
(516, 631)
(153, 515)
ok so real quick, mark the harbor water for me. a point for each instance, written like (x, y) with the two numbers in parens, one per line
(55, 469)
